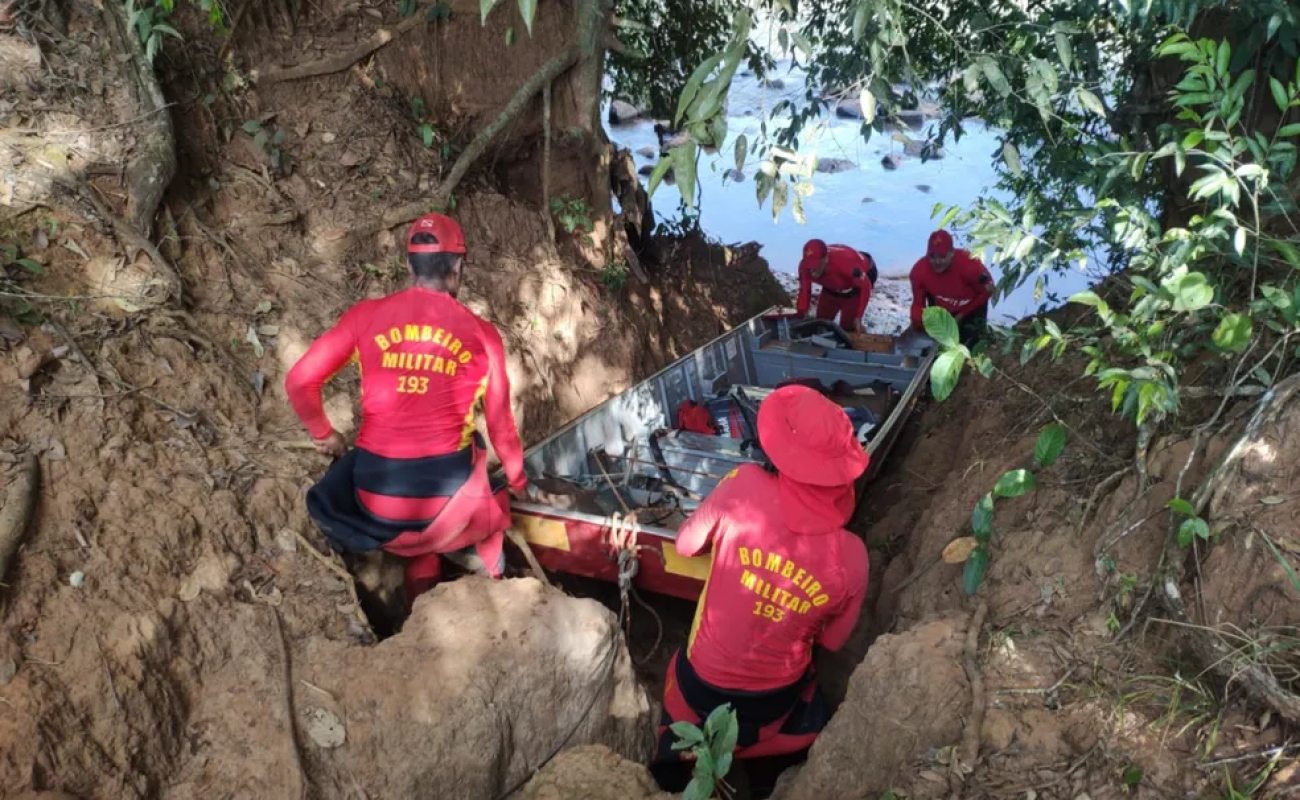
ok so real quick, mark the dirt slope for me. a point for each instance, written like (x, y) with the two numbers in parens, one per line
(163, 587)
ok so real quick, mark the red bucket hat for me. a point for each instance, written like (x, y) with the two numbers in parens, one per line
(809, 438)
(448, 236)
(940, 244)
(814, 248)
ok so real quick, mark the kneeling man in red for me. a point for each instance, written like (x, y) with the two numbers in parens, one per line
(786, 576)
(416, 484)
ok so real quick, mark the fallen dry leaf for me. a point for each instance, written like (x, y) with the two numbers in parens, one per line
(958, 550)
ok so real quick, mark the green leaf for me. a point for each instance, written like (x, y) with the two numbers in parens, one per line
(426, 134)
(983, 364)
(1180, 506)
(1287, 251)
(976, 568)
(1239, 241)
(1192, 292)
(723, 765)
(796, 210)
(1088, 298)
(780, 194)
(1014, 483)
(944, 373)
(995, 76)
(687, 732)
(861, 15)
(1192, 528)
(1279, 94)
(715, 719)
(949, 216)
(1289, 130)
(940, 325)
(251, 127)
(742, 151)
(981, 518)
(31, 266)
(1133, 775)
(661, 169)
(692, 87)
(802, 44)
(1233, 333)
(1050, 445)
(697, 790)
(1012, 156)
(1089, 101)
(1224, 57)
(1064, 50)
(528, 11)
(510, 36)
(260, 140)
(485, 8)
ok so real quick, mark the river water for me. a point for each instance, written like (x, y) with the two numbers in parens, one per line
(884, 212)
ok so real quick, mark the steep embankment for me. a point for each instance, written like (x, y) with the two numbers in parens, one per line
(166, 628)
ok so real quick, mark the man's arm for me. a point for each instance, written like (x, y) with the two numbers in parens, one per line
(918, 299)
(322, 361)
(838, 628)
(500, 417)
(696, 534)
(980, 281)
(805, 290)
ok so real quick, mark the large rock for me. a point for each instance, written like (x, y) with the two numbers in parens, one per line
(486, 681)
(592, 773)
(909, 695)
(830, 166)
(622, 112)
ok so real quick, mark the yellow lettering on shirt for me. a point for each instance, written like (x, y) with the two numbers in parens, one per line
(412, 363)
(781, 583)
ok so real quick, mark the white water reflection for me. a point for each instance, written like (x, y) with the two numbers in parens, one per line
(885, 212)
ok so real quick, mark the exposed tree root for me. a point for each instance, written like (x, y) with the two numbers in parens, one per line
(1261, 685)
(970, 740)
(20, 504)
(153, 165)
(589, 13)
(340, 62)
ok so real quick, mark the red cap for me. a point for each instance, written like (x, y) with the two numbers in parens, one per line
(809, 438)
(448, 237)
(940, 244)
(814, 248)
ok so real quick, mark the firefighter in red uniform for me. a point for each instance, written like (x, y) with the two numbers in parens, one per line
(953, 280)
(785, 575)
(846, 277)
(416, 483)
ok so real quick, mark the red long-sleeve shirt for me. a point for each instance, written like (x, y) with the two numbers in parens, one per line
(842, 261)
(964, 287)
(785, 575)
(427, 363)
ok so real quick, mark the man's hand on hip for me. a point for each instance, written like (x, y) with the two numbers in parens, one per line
(332, 445)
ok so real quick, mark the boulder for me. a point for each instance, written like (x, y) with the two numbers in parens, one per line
(831, 166)
(486, 680)
(622, 112)
(734, 175)
(774, 83)
(592, 773)
(848, 109)
(909, 695)
(891, 162)
(647, 152)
